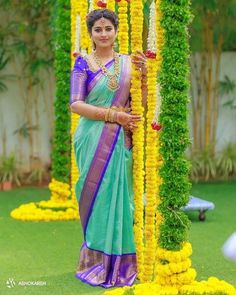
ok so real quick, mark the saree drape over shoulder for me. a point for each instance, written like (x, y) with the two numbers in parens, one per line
(104, 189)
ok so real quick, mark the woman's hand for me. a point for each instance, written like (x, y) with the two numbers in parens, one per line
(139, 59)
(128, 121)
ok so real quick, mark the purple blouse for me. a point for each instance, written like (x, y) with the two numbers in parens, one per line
(81, 76)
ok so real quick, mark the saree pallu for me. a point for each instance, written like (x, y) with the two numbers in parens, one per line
(104, 189)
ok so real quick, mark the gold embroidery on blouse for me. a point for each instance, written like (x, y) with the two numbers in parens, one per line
(91, 67)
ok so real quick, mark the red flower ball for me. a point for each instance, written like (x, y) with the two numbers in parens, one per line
(75, 54)
(156, 126)
(150, 54)
(117, 0)
(101, 4)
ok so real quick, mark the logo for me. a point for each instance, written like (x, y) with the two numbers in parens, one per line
(10, 283)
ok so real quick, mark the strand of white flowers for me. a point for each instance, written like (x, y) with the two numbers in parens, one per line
(77, 34)
(158, 104)
(90, 5)
(151, 41)
(152, 45)
(158, 48)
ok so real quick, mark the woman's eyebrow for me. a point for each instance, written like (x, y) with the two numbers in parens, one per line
(98, 27)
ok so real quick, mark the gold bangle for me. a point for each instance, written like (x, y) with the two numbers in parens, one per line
(111, 116)
(120, 109)
(113, 113)
(107, 114)
(115, 117)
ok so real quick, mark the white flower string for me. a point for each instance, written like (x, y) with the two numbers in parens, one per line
(77, 34)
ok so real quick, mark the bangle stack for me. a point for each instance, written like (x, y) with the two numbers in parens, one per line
(111, 113)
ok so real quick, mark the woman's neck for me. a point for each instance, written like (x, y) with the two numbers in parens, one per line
(104, 53)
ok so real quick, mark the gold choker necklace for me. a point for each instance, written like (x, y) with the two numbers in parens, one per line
(112, 79)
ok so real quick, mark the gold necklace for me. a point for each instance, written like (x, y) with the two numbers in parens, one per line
(112, 79)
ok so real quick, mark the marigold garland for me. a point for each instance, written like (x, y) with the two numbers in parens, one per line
(150, 174)
(136, 10)
(175, 256)
(169, 269)
(123, 32)
(59, 207)
(111, 5)
(75, 45)
(84, 37)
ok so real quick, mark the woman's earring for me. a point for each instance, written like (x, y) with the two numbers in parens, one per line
(94, 46)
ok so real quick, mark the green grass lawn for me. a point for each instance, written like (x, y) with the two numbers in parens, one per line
(48, 252)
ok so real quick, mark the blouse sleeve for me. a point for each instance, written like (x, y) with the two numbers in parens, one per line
(78, 89)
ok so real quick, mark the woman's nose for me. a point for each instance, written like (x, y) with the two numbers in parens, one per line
(104, 33)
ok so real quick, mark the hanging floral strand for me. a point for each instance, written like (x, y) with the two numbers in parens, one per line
(84, 37)
(151, 152)
(75, 48)
(111, 5)
(123, 32)
(155, 123)
(136, 10)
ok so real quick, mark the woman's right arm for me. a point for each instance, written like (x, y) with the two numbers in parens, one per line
(89, 111)
(99, 113)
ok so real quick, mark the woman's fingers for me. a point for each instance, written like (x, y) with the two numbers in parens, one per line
(141, 53)
(136, 118)
(139, 57)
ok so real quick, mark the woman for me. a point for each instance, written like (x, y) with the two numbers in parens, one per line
(100, 94)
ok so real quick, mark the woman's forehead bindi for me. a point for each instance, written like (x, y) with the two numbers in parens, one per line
(103, 22)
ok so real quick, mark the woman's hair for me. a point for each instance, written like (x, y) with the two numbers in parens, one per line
(95, 15)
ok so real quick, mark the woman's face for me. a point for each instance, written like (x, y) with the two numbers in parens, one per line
(103, 33)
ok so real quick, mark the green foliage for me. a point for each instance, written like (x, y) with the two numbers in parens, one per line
(62, 45)
(203, 164)
(226, 162)
(8, 169)
(25, 129)
(174, 137)
(3, 62)
(25, 35)
(228, 87)
(222, 15)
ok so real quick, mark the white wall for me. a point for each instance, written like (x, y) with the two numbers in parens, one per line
(12, 117)
(226, 131)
